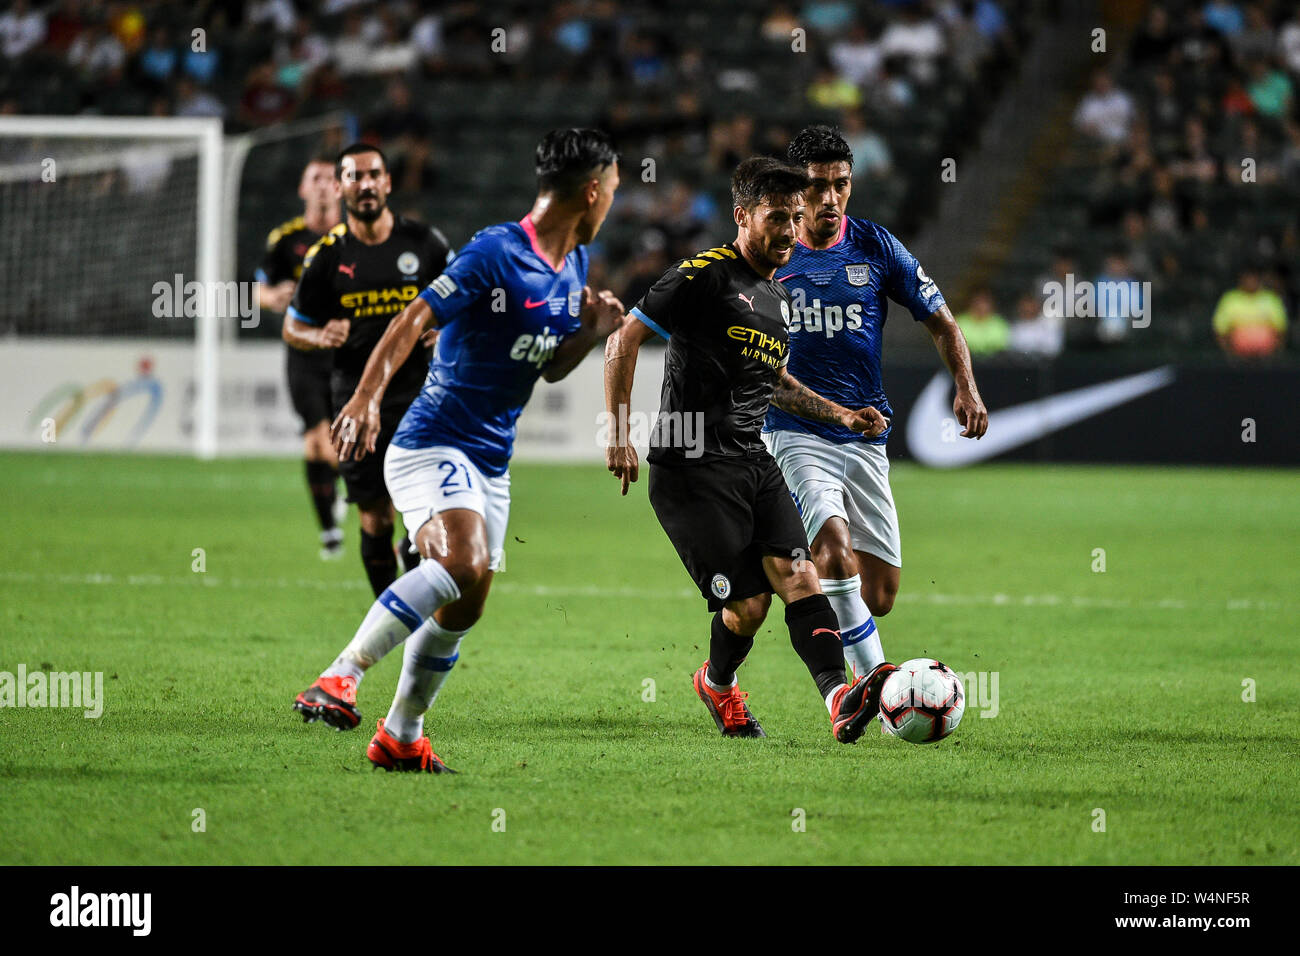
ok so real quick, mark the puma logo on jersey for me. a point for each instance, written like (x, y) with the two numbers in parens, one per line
(747, 299)
(350, 270)
(828, 319)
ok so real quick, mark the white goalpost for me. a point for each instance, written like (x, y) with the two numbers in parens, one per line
(107, 224)
(97, 212)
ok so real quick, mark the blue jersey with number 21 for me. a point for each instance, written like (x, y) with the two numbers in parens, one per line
(502, 309)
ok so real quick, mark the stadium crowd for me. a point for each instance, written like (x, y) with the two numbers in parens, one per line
(1157, 161)
(1183, 172)
(906, 80)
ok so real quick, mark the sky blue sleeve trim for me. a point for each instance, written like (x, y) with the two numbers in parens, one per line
(649, 321)
(299, 317)
(260, 275)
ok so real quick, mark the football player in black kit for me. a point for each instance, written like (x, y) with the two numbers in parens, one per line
(722, 499)
(355, 279)
(308, 373)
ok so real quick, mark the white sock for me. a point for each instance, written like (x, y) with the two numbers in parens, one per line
(394, 615)
(719, 688)
(857, 627)
(431, 653)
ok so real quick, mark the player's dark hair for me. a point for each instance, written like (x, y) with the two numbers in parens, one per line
(762, 178)
(325, 158)
(357, 149)
(567, 158)
(819, 144)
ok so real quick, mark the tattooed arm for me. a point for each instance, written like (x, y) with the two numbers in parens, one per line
(793, 396)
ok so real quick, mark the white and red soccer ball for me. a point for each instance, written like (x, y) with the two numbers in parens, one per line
(922, 701)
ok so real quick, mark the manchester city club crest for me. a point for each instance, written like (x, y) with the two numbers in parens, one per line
(859, 274)
(408, 263)
(785, 313)
(721, 586)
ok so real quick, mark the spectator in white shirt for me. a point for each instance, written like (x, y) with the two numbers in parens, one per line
(1288, 43)
(1105, 112)
(392, 53)
(193, 101)
(916, 38)
(353, 49)
(21, 29)
(97, 52)
(856, 57)
(426, 37)
(1035, 333)
(278, 13)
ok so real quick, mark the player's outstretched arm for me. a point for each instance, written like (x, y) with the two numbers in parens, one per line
(793, 396)
(601, 314)
(356, 429)
(967, 406)
(621, 350)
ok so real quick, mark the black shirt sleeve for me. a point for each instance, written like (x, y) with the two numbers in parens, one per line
(672, 297)
(438, 254)
(275, 266)
(314, 301)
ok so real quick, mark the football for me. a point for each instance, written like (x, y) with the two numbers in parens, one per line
(922, 701)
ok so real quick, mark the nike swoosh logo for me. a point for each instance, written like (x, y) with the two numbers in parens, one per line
(530, 304)
(1018, 425)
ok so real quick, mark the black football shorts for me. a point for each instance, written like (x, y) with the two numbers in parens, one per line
(723, 516)
(309, 385)
(364, 479)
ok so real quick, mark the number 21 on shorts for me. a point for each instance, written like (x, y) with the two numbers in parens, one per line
(456, 477)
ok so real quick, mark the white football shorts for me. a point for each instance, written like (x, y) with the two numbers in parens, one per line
(849, 481)
(425, 481)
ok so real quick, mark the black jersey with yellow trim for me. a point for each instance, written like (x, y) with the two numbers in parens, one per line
(728, 339)
(345, 278)
(286, 247)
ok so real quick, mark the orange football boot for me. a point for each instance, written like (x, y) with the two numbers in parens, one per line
(729, 710)
(331, 699)
(391, 754)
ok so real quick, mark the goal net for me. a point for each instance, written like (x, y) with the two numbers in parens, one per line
(105, 220)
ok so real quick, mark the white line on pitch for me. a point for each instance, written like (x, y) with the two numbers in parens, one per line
(596, 591)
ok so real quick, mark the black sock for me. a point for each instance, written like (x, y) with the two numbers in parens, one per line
(409, 555)
(727, 651)
(815, 634)
(381, 564)
(320, 479)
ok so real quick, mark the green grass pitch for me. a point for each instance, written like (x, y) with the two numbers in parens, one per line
(1119, 691)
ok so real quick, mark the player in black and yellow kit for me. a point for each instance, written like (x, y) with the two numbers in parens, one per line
(308, 373)
(715, 489)
(359, 276)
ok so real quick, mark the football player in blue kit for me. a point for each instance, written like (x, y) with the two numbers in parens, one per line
(512, 306)
(842, 271)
